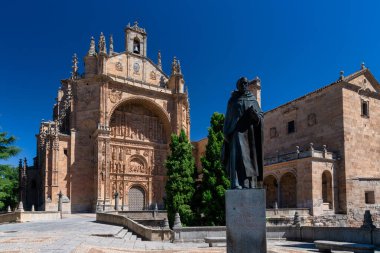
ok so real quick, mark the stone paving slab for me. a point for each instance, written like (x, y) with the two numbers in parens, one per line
(80, 233)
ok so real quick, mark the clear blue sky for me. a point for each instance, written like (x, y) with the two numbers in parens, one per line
(295, 47)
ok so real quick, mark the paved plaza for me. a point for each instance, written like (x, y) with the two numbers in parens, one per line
(80, 233)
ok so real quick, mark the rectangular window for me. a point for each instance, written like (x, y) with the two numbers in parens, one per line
(291, 127)
(370, 197)
(365, 108)
(65, 151)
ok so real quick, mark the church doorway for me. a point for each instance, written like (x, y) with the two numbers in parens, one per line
(270, 185)
(136, 198)
(288, 190)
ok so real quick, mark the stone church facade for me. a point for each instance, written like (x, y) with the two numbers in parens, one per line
(111, 130)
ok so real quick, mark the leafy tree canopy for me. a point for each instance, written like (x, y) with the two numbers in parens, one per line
(6, 148)
(8, 174)
(8, 186)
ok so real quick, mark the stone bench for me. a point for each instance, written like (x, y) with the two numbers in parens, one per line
(327, 246)
(212, 240)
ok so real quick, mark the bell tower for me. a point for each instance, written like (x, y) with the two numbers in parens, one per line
(135, 39)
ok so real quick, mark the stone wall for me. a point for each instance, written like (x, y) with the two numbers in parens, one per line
(362, 147)
(29, 216)
(150, 234)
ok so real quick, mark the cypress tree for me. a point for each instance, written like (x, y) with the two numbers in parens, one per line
(215, 180)
(180, 184)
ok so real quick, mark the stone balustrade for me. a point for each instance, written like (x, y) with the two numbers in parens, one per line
(298, 154)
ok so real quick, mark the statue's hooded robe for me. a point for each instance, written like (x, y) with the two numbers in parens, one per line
(243, 132)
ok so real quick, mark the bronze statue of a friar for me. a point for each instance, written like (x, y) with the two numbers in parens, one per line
(242, 153)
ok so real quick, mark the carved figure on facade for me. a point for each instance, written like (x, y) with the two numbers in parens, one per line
(113, 187)
(102, 44)
(115, 95)
(137, 166)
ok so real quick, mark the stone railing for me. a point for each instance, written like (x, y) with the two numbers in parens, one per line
(197, 234)
(287, 212)
(300, 154)
(147, 233)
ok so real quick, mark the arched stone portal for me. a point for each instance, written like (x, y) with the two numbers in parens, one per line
(327, 189)
(270, 185)
(138, 147)
(136, 198)
(288, 191)
(136, 121)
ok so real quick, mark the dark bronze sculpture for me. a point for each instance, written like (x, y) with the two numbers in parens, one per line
(242, 153)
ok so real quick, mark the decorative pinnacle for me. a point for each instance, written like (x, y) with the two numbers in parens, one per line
(341, 75)
(74, 72)
(363, 65)
(179, 67)
(92, 51)
(159, 64)
(174, 65)
(111, 45)
(102, 44)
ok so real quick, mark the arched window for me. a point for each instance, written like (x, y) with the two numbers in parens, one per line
(327, 188)
(136, 46)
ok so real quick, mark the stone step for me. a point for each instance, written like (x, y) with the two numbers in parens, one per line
(133, 238)
(127, 237)
(122, 233)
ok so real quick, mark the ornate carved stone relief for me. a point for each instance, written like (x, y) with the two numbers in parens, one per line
(137, 166)
(115, 95)
(118, 66)
(152, 75)
(134, 121)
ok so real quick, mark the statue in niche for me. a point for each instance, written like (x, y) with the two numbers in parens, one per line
(242, 153)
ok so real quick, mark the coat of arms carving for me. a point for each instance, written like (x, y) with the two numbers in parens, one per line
(118, 66)
(88, 96)
(115, 95)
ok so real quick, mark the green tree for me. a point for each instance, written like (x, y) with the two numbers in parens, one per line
(8, 186)
(215, 180)
(180, 184)
(6, 148)
(8, 174)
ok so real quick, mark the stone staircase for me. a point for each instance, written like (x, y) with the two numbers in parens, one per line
(126, 235)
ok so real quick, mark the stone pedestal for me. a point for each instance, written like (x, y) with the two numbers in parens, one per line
(246, 221)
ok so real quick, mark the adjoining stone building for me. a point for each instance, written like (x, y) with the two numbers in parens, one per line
(321, 150)
(110, 130)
